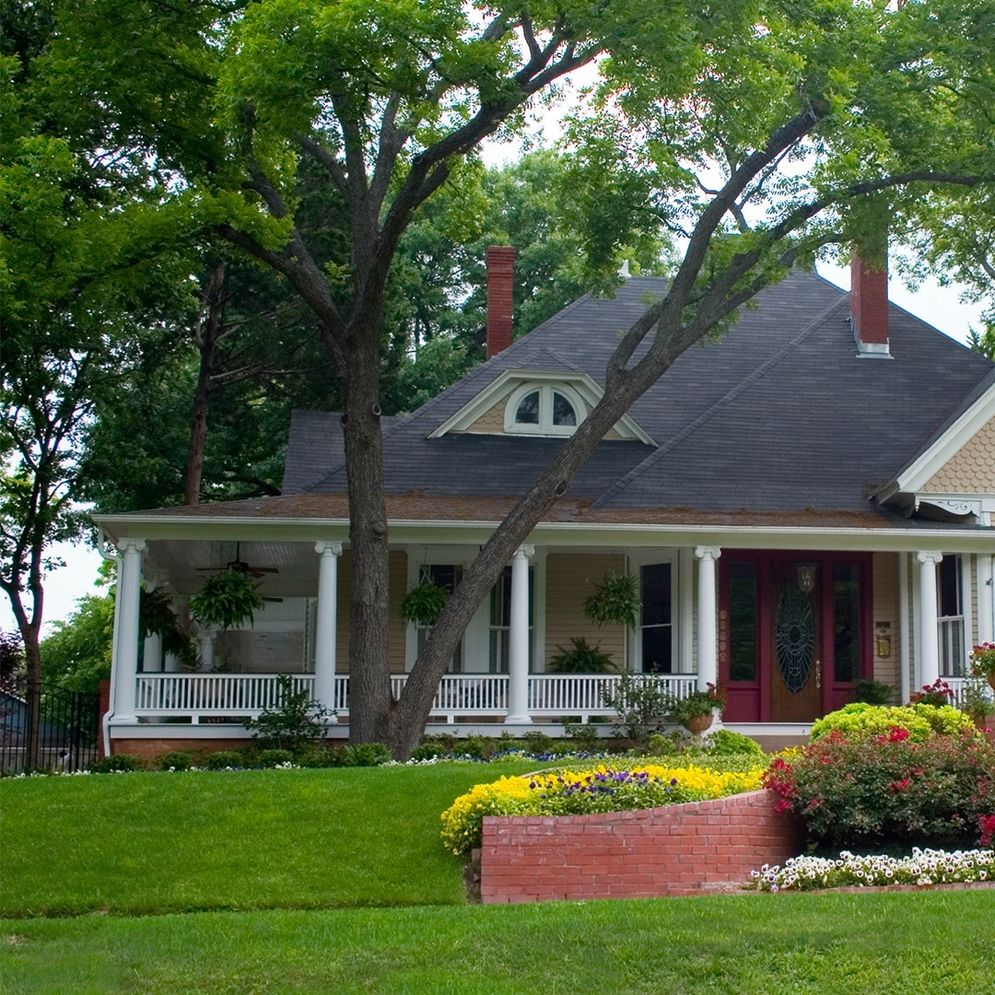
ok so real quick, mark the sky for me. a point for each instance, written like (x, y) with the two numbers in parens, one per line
(937, 305)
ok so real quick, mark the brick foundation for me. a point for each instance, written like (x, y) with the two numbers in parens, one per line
(675, 850)
(149, 749)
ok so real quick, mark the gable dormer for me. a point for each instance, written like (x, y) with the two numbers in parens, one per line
(535, 403)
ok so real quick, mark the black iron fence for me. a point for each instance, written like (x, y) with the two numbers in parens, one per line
(68, 731)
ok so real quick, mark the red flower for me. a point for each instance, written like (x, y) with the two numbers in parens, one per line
(896, 734)
(901, 785)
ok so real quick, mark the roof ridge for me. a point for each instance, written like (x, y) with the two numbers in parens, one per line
(757, 374)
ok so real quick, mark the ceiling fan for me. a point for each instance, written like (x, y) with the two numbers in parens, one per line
(238, 565)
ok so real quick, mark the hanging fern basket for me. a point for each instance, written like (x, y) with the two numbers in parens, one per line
(227, 600)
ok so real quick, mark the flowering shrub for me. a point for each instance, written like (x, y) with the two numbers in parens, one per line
(924, 867)
(579, 792)
(983, 660)
(859, 720)
(888, 787)
(937, 694)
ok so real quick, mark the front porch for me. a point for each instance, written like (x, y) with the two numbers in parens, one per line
(788, 625)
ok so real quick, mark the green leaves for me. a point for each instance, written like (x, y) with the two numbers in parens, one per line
(226, 600)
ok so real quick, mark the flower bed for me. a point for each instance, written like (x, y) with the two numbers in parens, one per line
(604, 788)
(889, 788)
(924, 867)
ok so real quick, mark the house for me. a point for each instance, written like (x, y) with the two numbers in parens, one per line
(805, 503)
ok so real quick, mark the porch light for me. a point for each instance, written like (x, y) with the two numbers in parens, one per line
(806, 576)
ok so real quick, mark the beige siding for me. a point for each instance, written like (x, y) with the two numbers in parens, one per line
(886, 619)
(398, 580)
(972, 469)
(570, 579)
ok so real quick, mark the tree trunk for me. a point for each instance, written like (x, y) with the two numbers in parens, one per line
(411, 716)
(370, 701)
(206, 335)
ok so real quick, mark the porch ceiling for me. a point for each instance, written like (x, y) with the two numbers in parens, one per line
(185, 565)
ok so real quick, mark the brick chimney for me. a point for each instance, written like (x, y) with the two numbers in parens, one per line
(500, 280)
(869, 307)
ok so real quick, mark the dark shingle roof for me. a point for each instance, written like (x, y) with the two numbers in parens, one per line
(777, 416)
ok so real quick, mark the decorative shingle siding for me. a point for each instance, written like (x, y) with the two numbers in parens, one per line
(971, 470)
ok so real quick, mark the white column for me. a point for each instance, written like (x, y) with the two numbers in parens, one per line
(685, 609)
(518, 647)
(708, 649)
(929, 636)
(325, 622)
(171, 664)
(205, 650)
(129, 586)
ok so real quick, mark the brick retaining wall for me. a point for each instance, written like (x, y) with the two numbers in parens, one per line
(675, 850)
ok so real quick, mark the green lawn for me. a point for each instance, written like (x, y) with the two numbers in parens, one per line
(906, 944)
(144, 843)
(292, 864)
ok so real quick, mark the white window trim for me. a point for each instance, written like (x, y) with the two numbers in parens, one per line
(545, 425)
(636, 562)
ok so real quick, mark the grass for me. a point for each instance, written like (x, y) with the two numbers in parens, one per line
(152, 843)
(911, 944)
(293, 864)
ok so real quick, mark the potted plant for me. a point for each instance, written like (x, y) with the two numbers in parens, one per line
(582, 659)
(977, 701)
(227, 600)
(696, 711)
(423, 604)
(983, 662)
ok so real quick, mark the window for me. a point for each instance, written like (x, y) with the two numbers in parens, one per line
(744, 604)
(950, 616)
(656, 619)
(500, 622)
(544, 410)
(846, 622)
(448, 576)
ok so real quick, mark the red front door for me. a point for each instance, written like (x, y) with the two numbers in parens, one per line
(794, 632)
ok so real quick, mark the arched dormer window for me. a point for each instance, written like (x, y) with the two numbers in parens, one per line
(544, 409)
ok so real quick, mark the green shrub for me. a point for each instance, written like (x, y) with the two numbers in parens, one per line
(223, 759)
(861, 720)
(118, 762)
(271, 758)
(583, 736)
(298, 721)
(430, 747)
(478, 747)
(537, 742)
(725, 742)
(361, 755)
(174, 760)
(314, 756)
(888, 789)
(642, 705)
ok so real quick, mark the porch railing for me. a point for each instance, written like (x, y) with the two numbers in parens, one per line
(467, 696)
